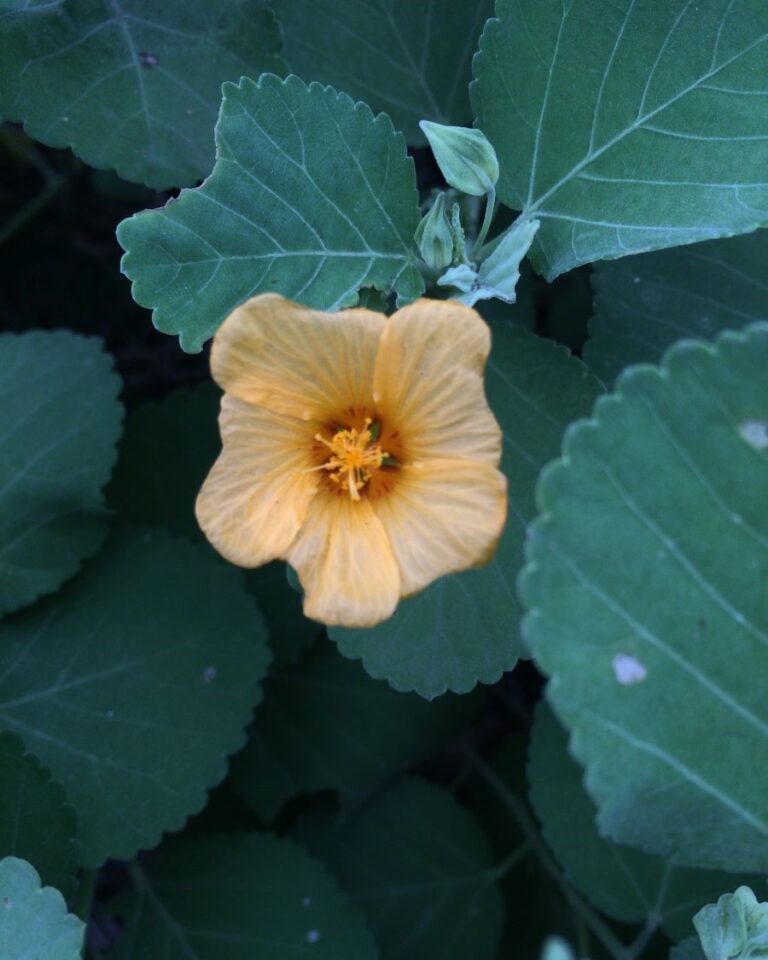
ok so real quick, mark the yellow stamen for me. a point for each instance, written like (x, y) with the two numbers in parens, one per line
(354, 458)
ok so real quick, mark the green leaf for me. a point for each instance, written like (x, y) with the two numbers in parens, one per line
(420, 867)
(622, 882)
(325, 725)
(134, 684)
(165, 454)
(246, 896)
(643, 305)
(311, 197)
(131, 84)
(61, 423)
(647, 591)
(463, 629)
(626, 127)
(34, 923)
(409, 59)
(36, 824)
(734, 928)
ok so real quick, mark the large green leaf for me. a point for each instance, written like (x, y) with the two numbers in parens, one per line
(311, 197)
(34, 923)
(464, 628)
(36, 824)
(644, 304)
(649, 608)
(410, 59)
(134, 684)
(245, 896)
(325, 725)
(166, 451)
(421, 869)
(61, 423)
(626, 127)
(624, 883)
(131, 84)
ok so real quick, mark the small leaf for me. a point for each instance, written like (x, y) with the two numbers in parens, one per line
(311, 197)
(624, 883)
(61, 423)
(596, 110)
(643, 304)
(166, 452)
(134, 685)
(409, 59)
(245, 896)
(463, 629)
(36, 823)
(34, 922)
(130, 84)
(734, 928)
(420, 868)
(325, 725)
(646, 587)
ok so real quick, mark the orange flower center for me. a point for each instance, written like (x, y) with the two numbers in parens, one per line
(355, 457)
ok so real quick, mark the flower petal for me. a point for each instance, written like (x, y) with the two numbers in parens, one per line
(296, 361)
(256, 496)
(428, 382)
(443, 516)
(345, 563)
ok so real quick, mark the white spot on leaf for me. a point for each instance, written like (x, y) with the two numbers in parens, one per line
(209, 674)
(313, 936)
(628, 669)
(306, 901)
(755, 432)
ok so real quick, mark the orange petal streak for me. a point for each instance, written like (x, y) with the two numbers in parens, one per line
(345, 563)
(443, 516)
(256, 497)
(297, 361)
(428, 381)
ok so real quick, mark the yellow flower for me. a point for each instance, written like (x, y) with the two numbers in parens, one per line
(358, 447)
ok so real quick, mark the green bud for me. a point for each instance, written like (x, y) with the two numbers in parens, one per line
(465, 157)
(459, 240)
(434, 236)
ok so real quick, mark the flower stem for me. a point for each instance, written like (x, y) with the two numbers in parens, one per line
(519, 811)
(31, 209)
(490, 210)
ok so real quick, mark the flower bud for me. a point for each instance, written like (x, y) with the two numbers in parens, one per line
(434, 236)
(466, 159)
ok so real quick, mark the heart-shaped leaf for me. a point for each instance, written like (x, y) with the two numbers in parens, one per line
(646, 587)
(61, 423)
(626, 127)
(130, 84)
(311, 197)
(134, 684)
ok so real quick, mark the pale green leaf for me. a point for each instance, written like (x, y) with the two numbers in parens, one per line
(411, 60)
(464, 629)
(134, 684)
(644, 304)
(61, 422)
(326, 725)
(165, 454)
(734, 928)
(622, 882)
(34, 923)
(624, 126)
(243, 896)
(420, 868)
(36, 823)
(311, 197)
(131, 85)
(648, 603)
